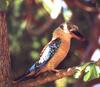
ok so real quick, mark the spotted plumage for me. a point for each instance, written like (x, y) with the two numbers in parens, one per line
(50, 50)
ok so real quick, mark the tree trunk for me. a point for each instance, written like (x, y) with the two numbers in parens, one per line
(5, 70)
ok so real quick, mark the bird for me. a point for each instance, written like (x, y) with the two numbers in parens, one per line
(54, 52)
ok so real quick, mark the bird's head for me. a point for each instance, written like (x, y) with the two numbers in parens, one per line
(72, 30)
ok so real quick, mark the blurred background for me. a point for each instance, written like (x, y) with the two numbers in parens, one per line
(30, 27)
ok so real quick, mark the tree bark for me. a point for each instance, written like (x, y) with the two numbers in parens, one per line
(5, 70)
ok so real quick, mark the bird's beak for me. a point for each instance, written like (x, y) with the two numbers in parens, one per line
(78, 35)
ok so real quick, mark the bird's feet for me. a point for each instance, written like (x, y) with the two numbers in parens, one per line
(55, 70)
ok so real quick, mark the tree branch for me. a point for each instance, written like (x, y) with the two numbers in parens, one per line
(86, 7)
(42, 27)
(51, 76)
(93, 82)
(47, 77)
(93, 41)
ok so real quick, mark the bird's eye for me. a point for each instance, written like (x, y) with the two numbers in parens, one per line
(61, 26)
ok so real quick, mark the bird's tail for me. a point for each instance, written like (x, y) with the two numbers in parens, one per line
(30, 74)
(22, 77)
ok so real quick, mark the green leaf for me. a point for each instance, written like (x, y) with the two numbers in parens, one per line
(77, 74)
(84, 66)
(91, 73)
(88, 74)
(94, 71)
(81, 69)
(98, 71)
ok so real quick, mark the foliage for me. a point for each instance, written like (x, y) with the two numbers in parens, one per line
(89, 71)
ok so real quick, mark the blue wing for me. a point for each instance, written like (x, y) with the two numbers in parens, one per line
(49, 51)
